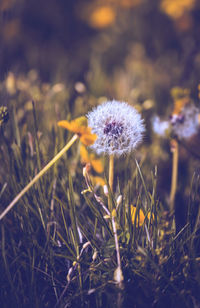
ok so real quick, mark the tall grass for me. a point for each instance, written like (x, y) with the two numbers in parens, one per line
(57, 243)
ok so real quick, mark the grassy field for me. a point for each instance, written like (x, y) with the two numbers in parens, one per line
(74, 237)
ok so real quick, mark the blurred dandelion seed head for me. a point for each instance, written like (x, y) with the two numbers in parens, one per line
(160, 127)
(186, 123)
(119, 128)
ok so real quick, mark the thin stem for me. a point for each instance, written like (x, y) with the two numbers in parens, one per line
(39, 175)
(174, 173)
(118, 276)
(90, 188)
(111, 171)
(110, 180)
(116, 242)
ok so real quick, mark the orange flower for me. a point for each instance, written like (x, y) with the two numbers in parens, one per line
(79, 127)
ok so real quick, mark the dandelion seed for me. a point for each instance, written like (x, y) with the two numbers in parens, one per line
(118, 126)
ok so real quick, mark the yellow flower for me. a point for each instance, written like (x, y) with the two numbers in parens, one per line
(97, 164)
(141, 216)
(181, 98)
(91, 158)
(176, 8)
(84, 154)
(79, 127)
(102, 17)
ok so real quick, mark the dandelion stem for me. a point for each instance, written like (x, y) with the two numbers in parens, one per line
(110, 180)
(174, 174)
(111, 171)
(39, 175)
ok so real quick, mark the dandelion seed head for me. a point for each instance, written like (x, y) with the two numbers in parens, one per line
(186, 123)
(160, 127)
(118, 126)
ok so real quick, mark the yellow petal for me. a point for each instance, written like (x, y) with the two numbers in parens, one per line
(149, 215)
(65, 124)
(97, 165)
(84, 154)
(81, 121)
(97, 180)
(78, 126)
(87, 157)
(141, 216)
(88, 139)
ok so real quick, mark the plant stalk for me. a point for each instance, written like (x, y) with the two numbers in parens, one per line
(39, 175)
(174, 173)
(118, 275)
(111, 172)
(110, 180)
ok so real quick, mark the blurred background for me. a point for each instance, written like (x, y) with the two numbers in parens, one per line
(126, 45)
